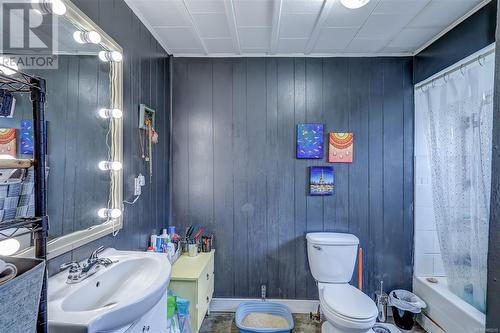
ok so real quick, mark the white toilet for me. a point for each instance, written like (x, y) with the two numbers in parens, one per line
(332, 257)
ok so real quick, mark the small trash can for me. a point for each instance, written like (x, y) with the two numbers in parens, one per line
(405, 306)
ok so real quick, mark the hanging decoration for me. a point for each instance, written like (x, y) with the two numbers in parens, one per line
(147, 136)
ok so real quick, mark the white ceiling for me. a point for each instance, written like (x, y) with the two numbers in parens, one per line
(298, 27)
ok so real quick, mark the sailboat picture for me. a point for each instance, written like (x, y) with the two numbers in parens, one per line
(321, 181)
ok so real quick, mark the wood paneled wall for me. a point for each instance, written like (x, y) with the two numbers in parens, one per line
(234, 169)
(146, 80)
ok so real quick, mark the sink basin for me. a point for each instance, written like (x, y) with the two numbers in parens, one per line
(112, 298)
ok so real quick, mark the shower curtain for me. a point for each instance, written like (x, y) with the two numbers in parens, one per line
(458, 110)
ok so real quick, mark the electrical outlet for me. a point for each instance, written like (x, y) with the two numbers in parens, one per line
(142, 180)
(137, 186)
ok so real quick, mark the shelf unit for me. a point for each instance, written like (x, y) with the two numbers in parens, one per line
(22, 83)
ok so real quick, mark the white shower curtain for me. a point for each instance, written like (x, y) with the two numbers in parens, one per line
(458, 110)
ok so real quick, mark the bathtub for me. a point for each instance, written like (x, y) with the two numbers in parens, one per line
(445, 311)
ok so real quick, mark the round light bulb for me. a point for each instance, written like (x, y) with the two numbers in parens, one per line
(94, 37)
(102, 56)
(116, 56)
(106, 165)
(112, 213)
(354, 4)
(83, 37)
(108, 56)
(110, 113)
(8, 67)
(78, 37)
(9, 246)
(58, 7)
(115, 213)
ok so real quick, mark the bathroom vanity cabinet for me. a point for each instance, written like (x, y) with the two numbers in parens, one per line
(193, 279)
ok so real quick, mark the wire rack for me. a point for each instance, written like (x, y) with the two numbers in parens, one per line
(22, 83)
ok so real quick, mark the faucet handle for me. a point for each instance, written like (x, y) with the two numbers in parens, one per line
(73, 266)
(94, 254)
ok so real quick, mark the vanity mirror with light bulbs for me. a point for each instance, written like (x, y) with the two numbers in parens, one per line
(84, 132)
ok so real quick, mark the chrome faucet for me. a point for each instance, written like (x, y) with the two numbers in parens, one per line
(78, 273)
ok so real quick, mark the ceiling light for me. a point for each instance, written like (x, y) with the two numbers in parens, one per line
(84, 37)
(56, 7)
(110, 56)
(7, 66)
(354, 4)
(110, 113)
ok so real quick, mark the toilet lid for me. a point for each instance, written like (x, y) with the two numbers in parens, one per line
(348, 301)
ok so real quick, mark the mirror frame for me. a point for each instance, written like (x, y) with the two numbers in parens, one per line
(69, 242)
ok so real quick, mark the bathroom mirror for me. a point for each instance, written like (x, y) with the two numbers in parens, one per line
(84, 125)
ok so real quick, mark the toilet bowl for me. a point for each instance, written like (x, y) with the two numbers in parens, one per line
(332, 257)
(346, 309)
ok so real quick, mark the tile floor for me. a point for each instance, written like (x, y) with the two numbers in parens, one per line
(223, 322)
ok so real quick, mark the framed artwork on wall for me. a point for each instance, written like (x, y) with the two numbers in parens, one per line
(321, 180)
(310, 141)
(26, 137)
(8, 142)
(340, 148)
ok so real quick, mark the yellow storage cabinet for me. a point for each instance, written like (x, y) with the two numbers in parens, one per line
(193, 279)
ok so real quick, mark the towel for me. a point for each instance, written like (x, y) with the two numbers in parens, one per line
(7, 272)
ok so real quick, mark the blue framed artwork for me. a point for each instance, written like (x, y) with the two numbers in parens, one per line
(321, 181)
(310, 141)
(27, 137)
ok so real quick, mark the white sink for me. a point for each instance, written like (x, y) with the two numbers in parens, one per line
(112, 298)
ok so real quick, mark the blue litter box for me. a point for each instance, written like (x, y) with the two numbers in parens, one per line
(245, 308)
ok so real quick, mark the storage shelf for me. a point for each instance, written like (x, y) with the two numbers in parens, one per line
(20, 223)
(16, 164)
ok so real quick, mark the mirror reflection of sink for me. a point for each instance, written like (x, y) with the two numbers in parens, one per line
(112, 298)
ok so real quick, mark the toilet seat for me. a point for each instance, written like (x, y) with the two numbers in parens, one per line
(347, 306)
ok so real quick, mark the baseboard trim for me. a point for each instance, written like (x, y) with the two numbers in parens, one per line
(295, 305)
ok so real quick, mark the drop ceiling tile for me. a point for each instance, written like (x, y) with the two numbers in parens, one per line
(219, 45)
(291, 45)
(163, 13)
(441, 13)
(359, 45)
(255, 38)
(396, 50)
(413, 38)
(253, 13)
(179, 37)
(302, 6)
(404, 7)
(212, 25)
(382, 26)
(334, 39)
(206, 6)
(188, 52)
(341, 17)
(297, 25)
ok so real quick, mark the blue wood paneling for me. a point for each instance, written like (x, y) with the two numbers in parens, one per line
(243, 112)
(473, 34)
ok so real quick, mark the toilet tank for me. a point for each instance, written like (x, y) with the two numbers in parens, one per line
(332, 256)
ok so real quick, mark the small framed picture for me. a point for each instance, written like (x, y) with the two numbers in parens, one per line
(321, 180)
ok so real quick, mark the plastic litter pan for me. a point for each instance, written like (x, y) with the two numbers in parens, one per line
(264, 307)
